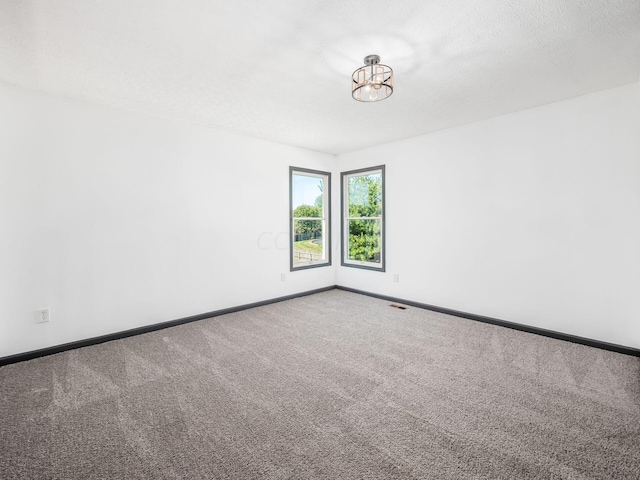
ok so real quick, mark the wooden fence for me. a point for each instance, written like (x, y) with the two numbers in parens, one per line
(299, 257)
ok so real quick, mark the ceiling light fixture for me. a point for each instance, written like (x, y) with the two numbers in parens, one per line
(373, 82)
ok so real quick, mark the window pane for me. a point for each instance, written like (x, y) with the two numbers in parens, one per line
(363, 222)
(365, 240)
(365, 195)
(307, 195)
(310, 218)
(308, 243)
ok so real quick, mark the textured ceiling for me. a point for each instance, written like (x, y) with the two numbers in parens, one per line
(280, 70)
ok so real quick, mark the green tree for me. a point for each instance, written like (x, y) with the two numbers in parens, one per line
(310, 227)
(365, 200)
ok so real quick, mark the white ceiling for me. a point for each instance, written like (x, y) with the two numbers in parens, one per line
(280, 70)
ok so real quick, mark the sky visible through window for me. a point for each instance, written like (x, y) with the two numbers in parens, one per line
(305, 190)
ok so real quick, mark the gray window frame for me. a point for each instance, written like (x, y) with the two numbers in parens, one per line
(343, 219)
(326, 234)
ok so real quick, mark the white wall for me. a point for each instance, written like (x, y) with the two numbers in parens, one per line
(532, 217)
(115, 220)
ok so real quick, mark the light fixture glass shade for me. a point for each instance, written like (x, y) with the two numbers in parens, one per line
(372, 82)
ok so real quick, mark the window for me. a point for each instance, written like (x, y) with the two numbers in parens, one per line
(310, 207)
(363, 218)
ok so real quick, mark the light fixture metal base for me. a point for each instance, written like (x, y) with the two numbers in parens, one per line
(372, 59)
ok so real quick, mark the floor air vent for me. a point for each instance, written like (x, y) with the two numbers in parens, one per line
(399, 307)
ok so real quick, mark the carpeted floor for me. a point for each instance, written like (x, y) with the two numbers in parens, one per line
(333, 385)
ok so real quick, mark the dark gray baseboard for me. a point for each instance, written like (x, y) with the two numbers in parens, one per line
(21, 357)
(503, 323)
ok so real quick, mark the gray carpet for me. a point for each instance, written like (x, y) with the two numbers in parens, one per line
(333, 385)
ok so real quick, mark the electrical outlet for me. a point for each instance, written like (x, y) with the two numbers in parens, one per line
(43, 315)
(283, 277)
(396, 277)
